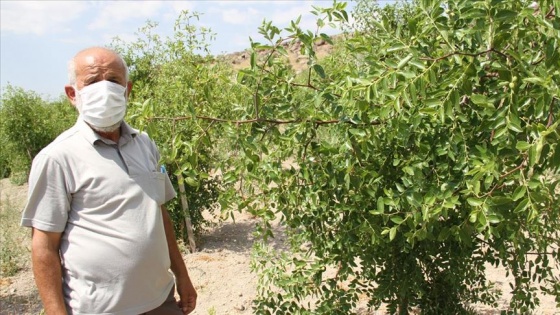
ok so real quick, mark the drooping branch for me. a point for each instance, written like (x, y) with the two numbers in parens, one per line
(506, 174)
(512, 252)
(465, 54)
(264, 120)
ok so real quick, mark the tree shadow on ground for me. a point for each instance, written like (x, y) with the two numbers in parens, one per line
(15, 304)
(237, 237)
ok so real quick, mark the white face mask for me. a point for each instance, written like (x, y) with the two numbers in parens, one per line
(102, 104)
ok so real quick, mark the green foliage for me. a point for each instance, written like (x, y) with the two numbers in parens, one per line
(424, 150)
(28, 124)
(174, 83)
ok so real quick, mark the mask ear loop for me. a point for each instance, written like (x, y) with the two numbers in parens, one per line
(77, 98)
(126, 91)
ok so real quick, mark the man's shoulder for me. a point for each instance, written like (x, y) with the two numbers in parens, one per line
(63, 144)
(143, 137)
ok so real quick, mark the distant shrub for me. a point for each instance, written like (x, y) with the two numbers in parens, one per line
(27, 124)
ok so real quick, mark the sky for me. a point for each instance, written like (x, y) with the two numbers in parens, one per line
(37, 38)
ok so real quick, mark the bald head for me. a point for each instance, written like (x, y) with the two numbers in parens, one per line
(93, 65)
(96, 64)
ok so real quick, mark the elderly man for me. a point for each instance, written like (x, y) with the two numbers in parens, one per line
(102, 241)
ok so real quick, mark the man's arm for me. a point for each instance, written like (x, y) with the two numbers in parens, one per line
(183, 282)
(47, 270)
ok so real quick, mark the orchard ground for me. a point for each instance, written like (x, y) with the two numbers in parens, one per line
(220, 269)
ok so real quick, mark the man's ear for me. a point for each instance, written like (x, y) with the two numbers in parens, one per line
(128, 88)
(71, 94)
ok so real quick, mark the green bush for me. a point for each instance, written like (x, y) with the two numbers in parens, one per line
(441, 157)
(27, 124)
(176, 80)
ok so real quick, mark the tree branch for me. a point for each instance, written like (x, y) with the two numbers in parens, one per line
(550, 13)
(455, 53)
(256, 100)
(520, 166)
(270, 121)
(465, 54)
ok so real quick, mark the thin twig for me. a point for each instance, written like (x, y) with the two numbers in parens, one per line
(550, 113)
(465, 54)
(520, 166)
(497, 186)
(256, 100)
(550, 13)
(455, 53)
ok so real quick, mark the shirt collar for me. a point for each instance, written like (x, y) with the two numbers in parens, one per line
(127, 133)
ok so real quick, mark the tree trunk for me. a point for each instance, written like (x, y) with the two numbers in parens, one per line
(185, 206)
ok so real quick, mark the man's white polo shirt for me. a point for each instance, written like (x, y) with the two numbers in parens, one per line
(105, 198)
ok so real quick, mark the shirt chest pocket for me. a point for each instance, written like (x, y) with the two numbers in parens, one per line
(153, 185)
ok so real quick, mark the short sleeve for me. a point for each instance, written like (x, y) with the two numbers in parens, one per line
(48, 201)
(170, 192)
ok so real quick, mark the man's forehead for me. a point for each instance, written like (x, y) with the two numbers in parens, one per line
(98, 58)
(109, 62)
(89, 59)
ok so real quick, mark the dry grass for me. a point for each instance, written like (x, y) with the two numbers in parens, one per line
(17, 294)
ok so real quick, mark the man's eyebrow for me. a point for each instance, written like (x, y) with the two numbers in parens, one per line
(90, 78)
(114, 76)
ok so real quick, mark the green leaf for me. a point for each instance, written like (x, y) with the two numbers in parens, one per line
(522, 146)
(482, 219)
(191, 182)
(534, 80)
(404, 61)
(475, 202)
(428, 110)
(380, 205)
(392, 233)
(418, 64)
(320, 71)
(500, 200)
(434, 102)
(397, 219)
(494, 219)
(253, 60)
(479, 99)
(396, 47)
(473, 216)
(521, 206)
(408, 170)
(535, 152)
(358, 132)
(519, 192)
(506, 15)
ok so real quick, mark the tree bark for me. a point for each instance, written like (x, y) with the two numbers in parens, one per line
(186, 213)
